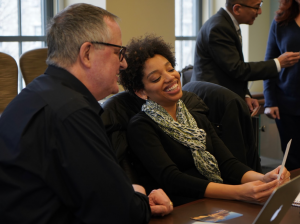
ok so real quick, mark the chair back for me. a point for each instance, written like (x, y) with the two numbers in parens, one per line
(33, 64)
(8, 80)
(230, 116)
(186, 74)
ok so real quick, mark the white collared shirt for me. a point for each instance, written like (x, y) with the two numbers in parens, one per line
(235, 22)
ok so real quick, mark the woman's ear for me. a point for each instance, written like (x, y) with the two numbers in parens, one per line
(85, 54)
(141, 94)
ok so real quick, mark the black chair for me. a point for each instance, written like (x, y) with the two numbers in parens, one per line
(186, 74)
(230, 115)
(119, 109)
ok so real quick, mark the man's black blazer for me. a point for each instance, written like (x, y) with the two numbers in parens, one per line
(219, 57)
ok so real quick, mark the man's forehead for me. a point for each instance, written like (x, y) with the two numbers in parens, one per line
(110, 21)
(112, 24)
(115, 31)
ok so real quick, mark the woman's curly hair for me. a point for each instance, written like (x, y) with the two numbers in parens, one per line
(139, 50)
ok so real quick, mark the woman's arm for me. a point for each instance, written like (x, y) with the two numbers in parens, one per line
(252, 176)
(268, 177)
(254, 191)
(255, 187)
(272, 51)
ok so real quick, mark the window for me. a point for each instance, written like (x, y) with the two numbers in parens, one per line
(23, 26)
(188, 21)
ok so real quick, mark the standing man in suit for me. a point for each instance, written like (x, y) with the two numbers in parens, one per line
(219, 57)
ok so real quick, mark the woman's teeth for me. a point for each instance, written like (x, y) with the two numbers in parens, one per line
(173, 87)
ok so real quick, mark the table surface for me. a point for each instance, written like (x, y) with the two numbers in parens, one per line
(182, 214)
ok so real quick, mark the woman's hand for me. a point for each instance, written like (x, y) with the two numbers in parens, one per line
(273, 175)
(160, 203)
(256, 191)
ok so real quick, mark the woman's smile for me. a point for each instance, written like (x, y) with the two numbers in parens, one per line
(172, 88)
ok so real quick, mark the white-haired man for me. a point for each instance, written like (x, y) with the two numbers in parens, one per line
(56, 162)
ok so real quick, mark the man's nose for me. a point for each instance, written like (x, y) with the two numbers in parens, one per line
(259, 11)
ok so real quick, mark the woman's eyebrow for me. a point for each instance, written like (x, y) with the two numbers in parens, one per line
(151, 73)
(167, 63)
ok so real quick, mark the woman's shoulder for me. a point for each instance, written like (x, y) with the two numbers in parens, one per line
(140, 118)
(200, 117)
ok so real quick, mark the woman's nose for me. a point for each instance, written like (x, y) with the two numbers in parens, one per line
(123, 64)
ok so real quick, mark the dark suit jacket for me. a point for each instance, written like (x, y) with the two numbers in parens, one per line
(219, 57)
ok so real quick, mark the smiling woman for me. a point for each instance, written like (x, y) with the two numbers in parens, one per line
(177, 149)
(161, 84)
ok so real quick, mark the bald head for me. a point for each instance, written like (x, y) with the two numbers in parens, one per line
(231, 3)
(244, 11)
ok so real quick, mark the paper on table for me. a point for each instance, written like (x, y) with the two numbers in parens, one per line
(284, 158)
(205, 222)
(297, 201)
(255, 111)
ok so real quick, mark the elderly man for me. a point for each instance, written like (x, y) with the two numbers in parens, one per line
(219, 57)
(56, 162)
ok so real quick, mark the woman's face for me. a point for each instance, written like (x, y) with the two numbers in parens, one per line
(161, 82)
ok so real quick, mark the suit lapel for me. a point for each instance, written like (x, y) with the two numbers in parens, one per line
(228, 20)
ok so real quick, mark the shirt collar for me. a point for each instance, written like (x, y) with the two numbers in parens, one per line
(72, 82)
(235, 22)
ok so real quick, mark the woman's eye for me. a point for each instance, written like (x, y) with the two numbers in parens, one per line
(156, 80)
(171, 70)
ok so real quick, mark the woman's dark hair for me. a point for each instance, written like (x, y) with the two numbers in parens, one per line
(139, 50)
(287, 12)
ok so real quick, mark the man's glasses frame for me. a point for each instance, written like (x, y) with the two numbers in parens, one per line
(122, 50)
(256, 8)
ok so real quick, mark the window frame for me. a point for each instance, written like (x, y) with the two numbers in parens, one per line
(198, 24)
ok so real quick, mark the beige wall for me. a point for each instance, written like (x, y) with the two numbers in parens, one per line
(140, 16)
(145, 16)
(258, 37)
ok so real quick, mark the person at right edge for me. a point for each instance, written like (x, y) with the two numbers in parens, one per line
(282, 94)
(219, 56)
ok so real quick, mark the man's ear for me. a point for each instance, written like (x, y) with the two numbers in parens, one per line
(141, 94)
(236, 9)
(85, 54)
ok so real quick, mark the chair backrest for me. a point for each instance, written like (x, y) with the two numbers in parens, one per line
(230, 114)
(33, 64)
(119, 109)
(8, 80)
(186, 74)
